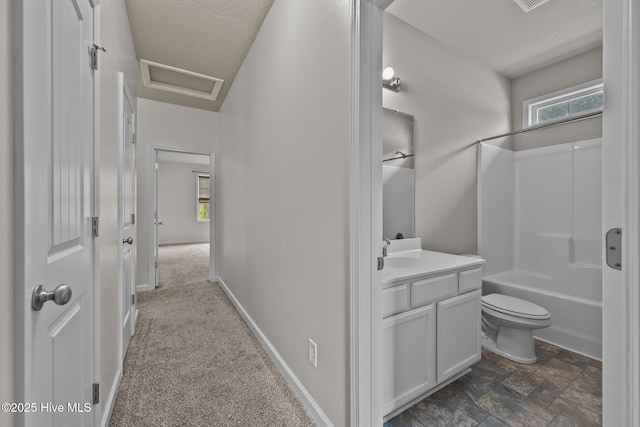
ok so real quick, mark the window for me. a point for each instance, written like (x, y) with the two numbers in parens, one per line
(573, 101)
(204, 197)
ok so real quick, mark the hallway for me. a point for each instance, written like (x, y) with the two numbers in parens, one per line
(193, 360)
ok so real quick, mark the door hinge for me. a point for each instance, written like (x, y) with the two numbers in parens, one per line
(614, 248)
(96, 393)
(156, 264)
(380, 263)
(133, 219)
(95, 226)
(133, 299)
(94, 55)
(133, 138)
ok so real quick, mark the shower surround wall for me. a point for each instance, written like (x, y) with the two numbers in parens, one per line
(539, 230)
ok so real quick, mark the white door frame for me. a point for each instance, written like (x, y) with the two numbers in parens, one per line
(97, 316)
(621, 136)
(23, 43)
(621, 208)
(153, 152)
(365, 187)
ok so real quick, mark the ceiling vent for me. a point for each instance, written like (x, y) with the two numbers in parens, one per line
(528, 5)
(177, 80)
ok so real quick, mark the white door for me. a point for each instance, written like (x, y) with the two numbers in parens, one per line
(54, 207)
(127, 215)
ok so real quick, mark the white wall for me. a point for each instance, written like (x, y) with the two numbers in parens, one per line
(120, 57)
(282, 191)
(167, 125)
(6, 208)
(455, 100)
(578, 69)
(177, 204)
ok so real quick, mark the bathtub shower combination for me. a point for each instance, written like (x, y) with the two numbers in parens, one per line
(539, 229)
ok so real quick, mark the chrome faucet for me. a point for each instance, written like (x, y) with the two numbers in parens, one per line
(384, 248)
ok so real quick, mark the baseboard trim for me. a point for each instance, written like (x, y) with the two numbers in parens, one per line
(108, 406)
(145, 287)
(313, 409)
(182, 242)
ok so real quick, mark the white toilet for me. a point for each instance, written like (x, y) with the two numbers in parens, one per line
(508, 324)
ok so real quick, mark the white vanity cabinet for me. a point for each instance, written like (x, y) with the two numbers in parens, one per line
(408, 355)
(458, 334)
(431, 332)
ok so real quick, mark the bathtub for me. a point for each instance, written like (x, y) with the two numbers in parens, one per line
(576, 320)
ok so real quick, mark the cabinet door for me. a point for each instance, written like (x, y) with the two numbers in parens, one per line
(408, 356)
(458, 333)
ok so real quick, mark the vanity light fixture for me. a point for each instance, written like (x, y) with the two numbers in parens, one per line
(390, 80)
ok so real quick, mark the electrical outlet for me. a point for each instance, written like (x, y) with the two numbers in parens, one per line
(313, 353)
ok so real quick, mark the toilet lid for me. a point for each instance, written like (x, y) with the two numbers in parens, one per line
(514, 306)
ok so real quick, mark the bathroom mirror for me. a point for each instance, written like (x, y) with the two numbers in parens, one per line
(398, 175)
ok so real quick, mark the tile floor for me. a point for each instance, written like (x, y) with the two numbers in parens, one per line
(561, 389)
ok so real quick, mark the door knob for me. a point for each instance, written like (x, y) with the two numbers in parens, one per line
(61, 295)
(129, 241)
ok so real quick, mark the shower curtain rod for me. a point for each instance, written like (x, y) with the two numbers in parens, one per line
(542, 126)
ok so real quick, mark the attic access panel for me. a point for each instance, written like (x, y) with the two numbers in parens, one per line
(528, 5)
(176, 80)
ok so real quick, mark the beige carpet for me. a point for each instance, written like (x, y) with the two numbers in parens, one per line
(181, 264)
(194, 362)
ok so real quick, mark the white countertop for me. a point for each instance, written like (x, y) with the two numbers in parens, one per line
(400, 266)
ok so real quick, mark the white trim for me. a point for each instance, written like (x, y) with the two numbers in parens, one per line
(182, 242)
(111, 401)
(365, 188)
(153, 151)
(531, 106)
(148, 82)
(97, 242)
(120, 121)
(621, 208)
(312, 407)
(144, 287)
(213, 272)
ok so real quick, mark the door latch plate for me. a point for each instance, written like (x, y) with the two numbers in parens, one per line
(614, 248)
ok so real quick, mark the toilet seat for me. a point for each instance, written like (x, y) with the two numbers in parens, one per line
(515, 307)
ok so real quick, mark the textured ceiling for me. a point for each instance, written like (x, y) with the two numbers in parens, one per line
(210, 37)
(500, 34)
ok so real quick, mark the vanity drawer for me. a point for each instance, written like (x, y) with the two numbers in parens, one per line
(470, 280)
(433, 289)
(395, 300)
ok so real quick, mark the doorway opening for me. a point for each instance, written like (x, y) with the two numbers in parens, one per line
(181, 209)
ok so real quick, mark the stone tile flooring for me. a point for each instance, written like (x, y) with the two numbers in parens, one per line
(561, 389)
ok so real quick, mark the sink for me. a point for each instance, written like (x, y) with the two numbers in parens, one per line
(401, 262)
